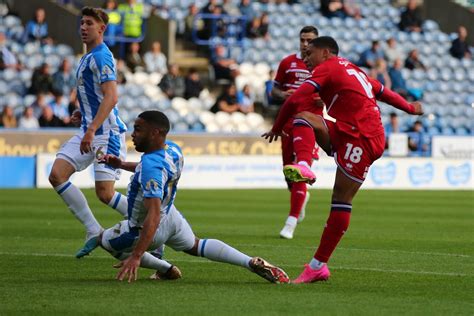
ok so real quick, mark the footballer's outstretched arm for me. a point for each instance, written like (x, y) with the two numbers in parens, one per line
(117, 163)
(150, 226)
(394, 99)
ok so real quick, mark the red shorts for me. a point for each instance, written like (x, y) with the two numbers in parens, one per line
(287, 149)
(353, 152)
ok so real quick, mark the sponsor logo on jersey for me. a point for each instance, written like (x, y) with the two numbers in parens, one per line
(293, 65)
(106, 71)
(152, 185)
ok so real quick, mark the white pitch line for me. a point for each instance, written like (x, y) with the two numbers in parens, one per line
(362, 249)
(71, 256)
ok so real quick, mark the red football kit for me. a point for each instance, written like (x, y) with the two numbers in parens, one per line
(292, 72)
(357, 137)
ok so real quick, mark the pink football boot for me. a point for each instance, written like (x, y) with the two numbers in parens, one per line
(299, 173)
(310, 275)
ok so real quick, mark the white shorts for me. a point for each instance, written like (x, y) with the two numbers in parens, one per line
(101, 145)
(174, 231)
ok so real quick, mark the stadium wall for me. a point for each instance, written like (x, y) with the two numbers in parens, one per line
(250, 171)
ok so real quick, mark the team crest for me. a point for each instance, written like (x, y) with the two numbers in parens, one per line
(151, 185)
(293, 65)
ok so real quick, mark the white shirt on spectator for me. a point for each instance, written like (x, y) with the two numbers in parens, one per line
(28, 122)
(156, 63)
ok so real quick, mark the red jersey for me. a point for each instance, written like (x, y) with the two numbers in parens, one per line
(350, 97)
(291, 74)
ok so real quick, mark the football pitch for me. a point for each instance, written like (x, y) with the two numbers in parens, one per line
(406, 252)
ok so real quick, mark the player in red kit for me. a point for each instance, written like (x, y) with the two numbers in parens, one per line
(298, 141)
(355, 140)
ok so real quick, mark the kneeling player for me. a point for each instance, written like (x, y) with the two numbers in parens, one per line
(153, 219)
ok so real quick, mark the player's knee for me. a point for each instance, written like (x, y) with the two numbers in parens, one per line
(55, 178)
(104, 194)
(194, 250)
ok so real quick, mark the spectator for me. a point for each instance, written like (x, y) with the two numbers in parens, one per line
(268, 89)
(172, 84)
(41, 80)
(246, 9)
(134, 60)
(60, 107)
(371, 55)
(64, 80)
(8, 117)
(37, 28)
(264, 24)
(227, 101)
(393, 51)
(132, 13)
(48, 119)
(190, 25)
(410, 19)
(7, 58)
(413, 61)
(254, 28)
(122, 70)
(28, 120)
(399, 83)
(224, 67)
(155, 60)
(193, 84)
(338, 9)
(230, 8)
(214, 26)
(417, 142)
(380, 73)
(38, 105)
(209, 7)
(245, 99)
(114, 26)
(460, 48)
(393, 126)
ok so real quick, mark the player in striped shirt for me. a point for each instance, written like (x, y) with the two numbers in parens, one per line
(102, 131)
(154, 220)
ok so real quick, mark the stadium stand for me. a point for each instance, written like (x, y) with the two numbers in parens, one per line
(447, 84)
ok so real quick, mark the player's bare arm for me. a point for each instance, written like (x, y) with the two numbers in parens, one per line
(130, 265)
(281, 95)
(109, 90)
(117, 163)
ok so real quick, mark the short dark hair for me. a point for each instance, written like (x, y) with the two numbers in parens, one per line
(97, 13)
(326, 42)
(309, 29)
(393, 114)
(157, 119)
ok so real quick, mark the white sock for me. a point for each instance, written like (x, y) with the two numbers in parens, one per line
(216, 250)
(151, 262)
(291, 220)
(77, 204)
(119, 203)
(315, 264)
(304, 163)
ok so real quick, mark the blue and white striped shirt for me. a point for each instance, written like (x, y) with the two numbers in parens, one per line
(156, 176)
(95, 68)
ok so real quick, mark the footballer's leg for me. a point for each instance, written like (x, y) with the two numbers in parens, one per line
(337, 224)
(217, 250)
(119, 242)
(75, 200)
(106, 176)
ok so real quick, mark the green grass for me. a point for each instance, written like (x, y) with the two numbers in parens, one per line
(405, 253)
